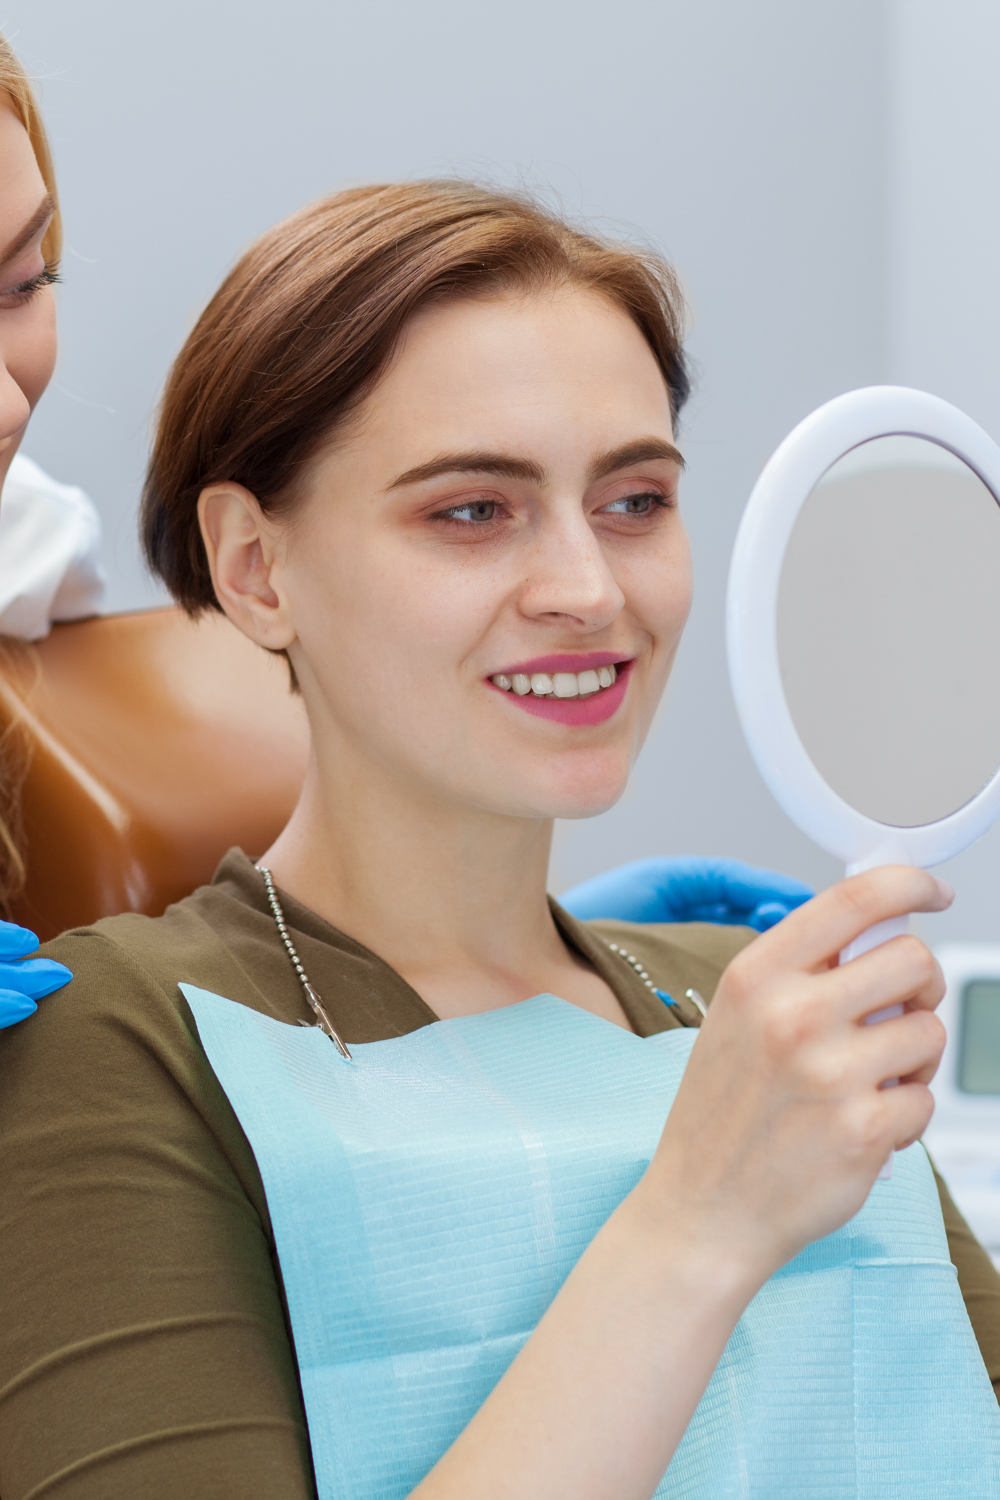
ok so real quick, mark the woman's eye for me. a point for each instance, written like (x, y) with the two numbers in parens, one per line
(23, 291)
(633, 505)
(474, 510)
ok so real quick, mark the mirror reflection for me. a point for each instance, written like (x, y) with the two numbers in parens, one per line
(889, 630)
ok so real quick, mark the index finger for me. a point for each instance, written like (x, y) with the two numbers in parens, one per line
(808, 938)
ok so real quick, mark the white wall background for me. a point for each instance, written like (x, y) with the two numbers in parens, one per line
(822, 172)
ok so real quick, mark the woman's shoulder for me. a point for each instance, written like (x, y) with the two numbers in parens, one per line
(115, 1054)
(130, 958)
(123, 1009)
(678, 955)
(207, 939)
(122, 1003)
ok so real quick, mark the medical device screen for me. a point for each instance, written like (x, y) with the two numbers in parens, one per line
(979, 1058)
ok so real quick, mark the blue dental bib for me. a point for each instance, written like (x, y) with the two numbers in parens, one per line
(429, 1199)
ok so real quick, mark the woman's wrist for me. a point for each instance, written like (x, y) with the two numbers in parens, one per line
(602, 1392)
(663, 1219)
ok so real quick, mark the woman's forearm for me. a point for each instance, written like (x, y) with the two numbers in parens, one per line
(773, 1140)
(601, 1394)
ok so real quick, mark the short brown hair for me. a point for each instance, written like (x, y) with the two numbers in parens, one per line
(307, 321)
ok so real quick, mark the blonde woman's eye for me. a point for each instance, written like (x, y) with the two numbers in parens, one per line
(474, 510)
(23, 291)
(634, 505)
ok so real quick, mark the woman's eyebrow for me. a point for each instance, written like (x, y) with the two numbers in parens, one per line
(506, 465)
(639, 451)
(42, 213)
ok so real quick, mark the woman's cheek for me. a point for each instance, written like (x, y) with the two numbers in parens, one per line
(680, 585)
(658, 594)
(442, 608)
(31, 352)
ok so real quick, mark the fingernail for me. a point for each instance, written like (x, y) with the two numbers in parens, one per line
(947, 891)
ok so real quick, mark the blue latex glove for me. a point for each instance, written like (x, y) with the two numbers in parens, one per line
(24, 980)
(688, 890)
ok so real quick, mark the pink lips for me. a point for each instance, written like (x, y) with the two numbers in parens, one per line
(587, 711)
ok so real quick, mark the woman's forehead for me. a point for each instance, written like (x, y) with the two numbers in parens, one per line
(519, 375)
(21, 184)
(520, 335)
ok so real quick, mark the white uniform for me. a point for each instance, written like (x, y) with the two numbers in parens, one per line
(50, 538)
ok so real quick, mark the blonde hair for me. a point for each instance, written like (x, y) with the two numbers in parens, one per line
(14, 655)
(16, 84)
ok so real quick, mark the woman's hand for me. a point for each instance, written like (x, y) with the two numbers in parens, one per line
(774, 1139)
(24, 980)
(780, 1125)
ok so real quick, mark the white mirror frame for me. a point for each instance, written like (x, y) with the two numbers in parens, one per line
(751, 623)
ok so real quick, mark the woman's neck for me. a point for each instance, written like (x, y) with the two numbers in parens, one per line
(452, 897)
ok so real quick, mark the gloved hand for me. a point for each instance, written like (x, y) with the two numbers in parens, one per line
(688, 890)
(24, 980)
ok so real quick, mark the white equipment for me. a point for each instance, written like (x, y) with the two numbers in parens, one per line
(964, 1136)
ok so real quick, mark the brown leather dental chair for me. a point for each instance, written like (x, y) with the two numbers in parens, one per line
(152, 743)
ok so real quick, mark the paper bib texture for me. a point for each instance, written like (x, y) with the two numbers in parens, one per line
(429, 1199)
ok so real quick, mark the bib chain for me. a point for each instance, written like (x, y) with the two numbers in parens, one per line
(326, 1025)
(315, 1003)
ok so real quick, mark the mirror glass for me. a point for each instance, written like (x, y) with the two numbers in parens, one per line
(889, 630)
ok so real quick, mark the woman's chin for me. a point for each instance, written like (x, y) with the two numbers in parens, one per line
(584, 792)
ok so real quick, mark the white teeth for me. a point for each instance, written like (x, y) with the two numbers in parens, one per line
(556, 684)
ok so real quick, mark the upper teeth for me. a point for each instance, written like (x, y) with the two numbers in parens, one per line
(558, 684)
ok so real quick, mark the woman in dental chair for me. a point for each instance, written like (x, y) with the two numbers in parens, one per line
(368, 1170)
(50, 572)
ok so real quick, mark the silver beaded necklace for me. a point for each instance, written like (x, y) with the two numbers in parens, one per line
(692, 995)
(326, 1025)
(316, 1004)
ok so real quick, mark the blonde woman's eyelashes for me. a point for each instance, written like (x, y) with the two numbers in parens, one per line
(23, 291)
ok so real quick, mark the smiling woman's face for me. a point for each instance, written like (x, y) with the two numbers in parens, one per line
(27, 305)
(500, 521)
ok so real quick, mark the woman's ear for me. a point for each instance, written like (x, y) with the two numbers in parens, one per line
(242, 548)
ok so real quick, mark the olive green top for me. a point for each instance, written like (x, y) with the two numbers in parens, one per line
(144, 1341)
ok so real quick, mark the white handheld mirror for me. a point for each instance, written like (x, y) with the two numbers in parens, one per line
(863, 626)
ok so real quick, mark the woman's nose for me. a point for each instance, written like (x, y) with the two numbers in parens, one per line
(568, 577)
(15, 408)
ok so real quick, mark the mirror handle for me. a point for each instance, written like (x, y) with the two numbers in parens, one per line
(880, 933)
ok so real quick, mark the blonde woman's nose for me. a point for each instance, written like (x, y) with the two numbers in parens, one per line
(14, 408)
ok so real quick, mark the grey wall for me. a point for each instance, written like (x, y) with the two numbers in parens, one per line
(772, 148)
(942, 276)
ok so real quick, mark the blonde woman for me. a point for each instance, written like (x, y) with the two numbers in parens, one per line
(48, 532)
